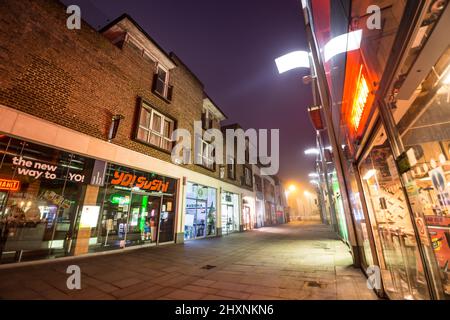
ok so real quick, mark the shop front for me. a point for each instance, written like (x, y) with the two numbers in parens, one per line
(201, 211)
(393, 138)
(248, 212)
(231, 220)
(54, 204)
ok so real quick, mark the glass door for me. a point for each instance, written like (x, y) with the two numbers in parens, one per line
(143, 219)
(196, 219)
(228, 224)
(200, 219)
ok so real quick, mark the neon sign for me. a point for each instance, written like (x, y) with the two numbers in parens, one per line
(360, 100)
(9, 185)
(120, 200)
(140, 182)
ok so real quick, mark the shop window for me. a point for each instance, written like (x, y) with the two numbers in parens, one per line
(54, 204)
(425, 131)
(400, 260)
(37, 216)
(201, 211)
(230, 213)
(361, 224)
(155, 128)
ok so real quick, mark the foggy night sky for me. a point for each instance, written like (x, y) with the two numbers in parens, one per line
(231, 46)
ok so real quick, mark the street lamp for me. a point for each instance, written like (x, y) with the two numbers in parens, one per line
(293, 60)
(312, 151)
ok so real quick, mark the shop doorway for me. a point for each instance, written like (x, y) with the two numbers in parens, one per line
(137, 218)
(228, 223)
(196, 219)
(248, 221)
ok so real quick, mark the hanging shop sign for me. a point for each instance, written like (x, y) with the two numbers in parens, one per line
(9, 185)
(358, 96)
(359, 101)
(140, 182)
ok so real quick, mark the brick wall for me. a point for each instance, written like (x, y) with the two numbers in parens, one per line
(79, 79)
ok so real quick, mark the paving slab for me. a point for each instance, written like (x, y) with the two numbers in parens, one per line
(291, 261)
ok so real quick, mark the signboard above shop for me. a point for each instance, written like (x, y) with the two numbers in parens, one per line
(358, 97)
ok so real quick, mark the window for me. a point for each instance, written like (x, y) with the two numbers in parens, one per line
(155, 128)
(207, 119)
(248, 177)
(161, 83)
(231, 169)
(402, 270)
(206, 155)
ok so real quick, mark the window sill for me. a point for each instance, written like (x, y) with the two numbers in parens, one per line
(152, 146)
(160, 96)
(213, 169)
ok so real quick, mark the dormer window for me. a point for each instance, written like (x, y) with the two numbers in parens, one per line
(161, 83)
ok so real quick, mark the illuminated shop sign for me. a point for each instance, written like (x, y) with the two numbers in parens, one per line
(9, 185)
(140, 182)
(360, 100)
(120, 200)
(37, 169)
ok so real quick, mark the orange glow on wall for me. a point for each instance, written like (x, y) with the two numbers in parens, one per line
(360, 100)
(9, 185)
(358, 95)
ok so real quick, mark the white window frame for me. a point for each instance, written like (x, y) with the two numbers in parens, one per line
(166, 81)
(205, 156)
(150, 130)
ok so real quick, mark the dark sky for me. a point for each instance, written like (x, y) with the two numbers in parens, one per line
(231, 46)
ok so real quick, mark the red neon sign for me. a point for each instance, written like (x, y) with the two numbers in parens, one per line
(359, 101)
(9, 185)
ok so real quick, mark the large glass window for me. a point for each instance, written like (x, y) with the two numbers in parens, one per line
(400, 261)
(41, 190)
(54, 203)
(425, 131)
(361, 225)
(201, 211)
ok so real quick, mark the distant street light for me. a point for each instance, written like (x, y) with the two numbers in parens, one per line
(313, 175)
(314, 182)
(292, 188)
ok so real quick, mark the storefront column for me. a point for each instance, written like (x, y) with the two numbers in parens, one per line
(318, 71)
(84, 232)
(181, 211)
(219, 212)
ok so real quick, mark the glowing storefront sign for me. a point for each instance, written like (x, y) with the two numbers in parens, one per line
(9, 185)
(360, 100)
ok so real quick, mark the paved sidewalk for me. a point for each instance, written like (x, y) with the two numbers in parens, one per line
(294, 261)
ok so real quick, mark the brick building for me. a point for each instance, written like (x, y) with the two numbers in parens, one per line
(85, 140)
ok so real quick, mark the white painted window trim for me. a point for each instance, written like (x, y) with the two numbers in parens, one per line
(149, 130)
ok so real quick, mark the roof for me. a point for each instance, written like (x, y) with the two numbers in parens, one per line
(128, 17)
(206, 96)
